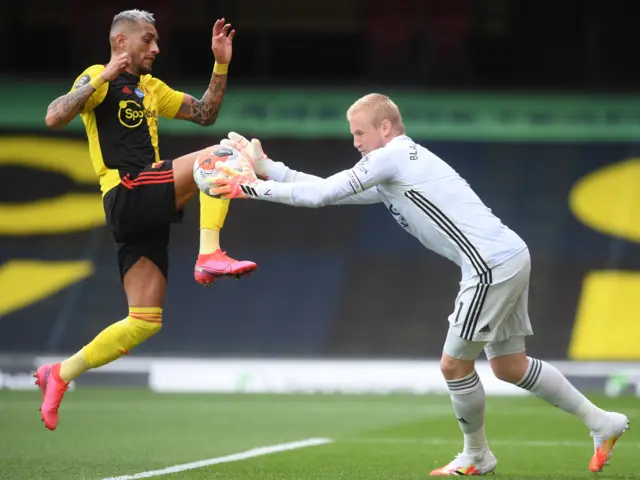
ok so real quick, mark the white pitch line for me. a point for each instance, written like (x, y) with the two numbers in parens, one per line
(254, 452)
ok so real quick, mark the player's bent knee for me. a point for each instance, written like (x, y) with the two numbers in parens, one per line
(458, 356)
(145, 283)
(510, 368)
(508, 358)
(454, 368)
(185, 184)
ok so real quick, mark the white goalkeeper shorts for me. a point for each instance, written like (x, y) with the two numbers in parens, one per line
(491, 312)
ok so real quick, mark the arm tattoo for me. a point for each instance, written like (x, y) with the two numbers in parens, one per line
(205, 111)
(66, 107)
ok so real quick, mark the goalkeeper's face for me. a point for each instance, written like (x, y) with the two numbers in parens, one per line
(367, 137)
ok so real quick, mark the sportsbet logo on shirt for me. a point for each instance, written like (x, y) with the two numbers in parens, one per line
(131, 113)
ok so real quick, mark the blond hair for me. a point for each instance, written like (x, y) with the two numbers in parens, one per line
(380, 108)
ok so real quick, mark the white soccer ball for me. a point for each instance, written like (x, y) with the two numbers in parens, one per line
(204, 168)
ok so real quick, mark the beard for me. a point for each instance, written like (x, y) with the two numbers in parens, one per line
(144, 70)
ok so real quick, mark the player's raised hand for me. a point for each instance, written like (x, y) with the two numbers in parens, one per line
(236, 182)
(221, 41)
(118, 64)
(251, 150)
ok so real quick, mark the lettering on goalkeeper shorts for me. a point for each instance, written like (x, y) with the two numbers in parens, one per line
(249, 190)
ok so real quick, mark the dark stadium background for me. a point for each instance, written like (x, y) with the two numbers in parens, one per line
(339, 282)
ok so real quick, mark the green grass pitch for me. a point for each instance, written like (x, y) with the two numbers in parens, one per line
(115, 432)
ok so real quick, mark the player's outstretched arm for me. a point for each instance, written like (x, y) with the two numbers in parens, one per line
(369, 172)
(279, 172)
(205, 111)
(290, 176)
(64, 109)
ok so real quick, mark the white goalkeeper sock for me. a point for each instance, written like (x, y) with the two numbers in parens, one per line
(547, 383)
(468, 400)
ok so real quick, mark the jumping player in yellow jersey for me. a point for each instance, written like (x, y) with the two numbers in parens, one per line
(142, 195)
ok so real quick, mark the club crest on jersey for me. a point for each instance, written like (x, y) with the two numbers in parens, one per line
(139, 93)
(399, 218)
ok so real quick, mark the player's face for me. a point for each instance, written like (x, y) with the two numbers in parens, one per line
(366, 137)
(142, 45)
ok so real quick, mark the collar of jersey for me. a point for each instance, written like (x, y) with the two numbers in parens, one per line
(400, 138)
(130, 76)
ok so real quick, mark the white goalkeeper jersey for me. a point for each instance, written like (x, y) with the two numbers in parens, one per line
(423, 193)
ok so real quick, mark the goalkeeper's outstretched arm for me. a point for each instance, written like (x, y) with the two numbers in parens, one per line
(279, 172)
(370, 172)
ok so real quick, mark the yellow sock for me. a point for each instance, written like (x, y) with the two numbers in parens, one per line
(114, 341)
(213, 212)
(209, 241)
(73, 366)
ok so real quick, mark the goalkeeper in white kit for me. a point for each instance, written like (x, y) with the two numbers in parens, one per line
(434, 204)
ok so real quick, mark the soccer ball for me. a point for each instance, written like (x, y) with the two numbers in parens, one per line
(204, 168)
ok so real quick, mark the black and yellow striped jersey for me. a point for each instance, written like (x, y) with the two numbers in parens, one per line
(121, 120)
